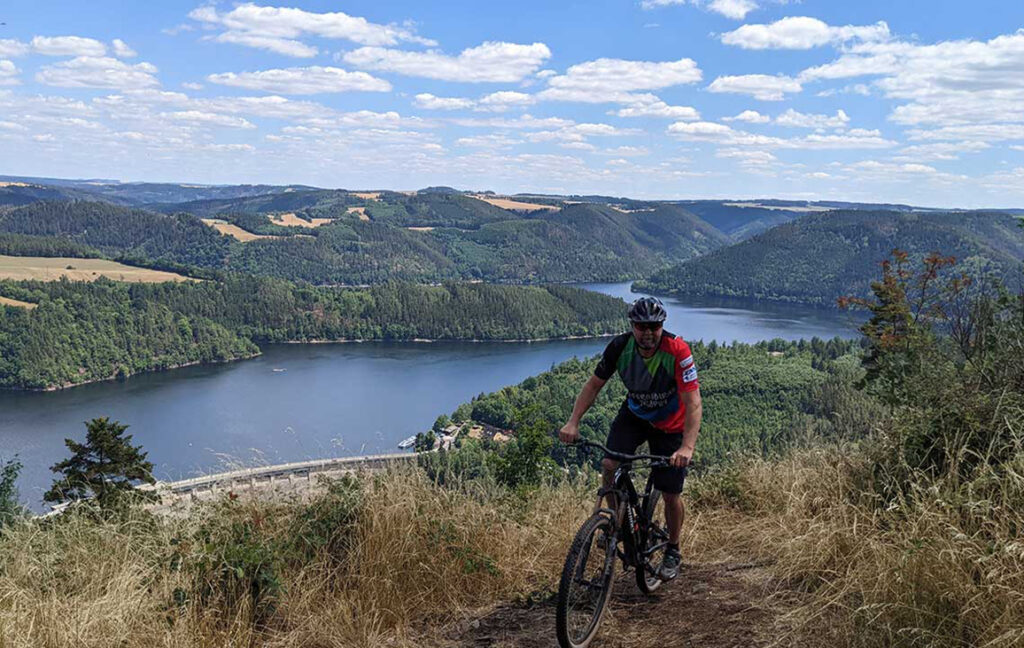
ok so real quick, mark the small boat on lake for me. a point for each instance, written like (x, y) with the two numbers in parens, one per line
(408, 443)
(279, 370)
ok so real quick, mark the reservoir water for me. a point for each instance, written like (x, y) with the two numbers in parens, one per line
(303, 401)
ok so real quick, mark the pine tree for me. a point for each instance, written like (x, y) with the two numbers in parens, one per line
(106, 468)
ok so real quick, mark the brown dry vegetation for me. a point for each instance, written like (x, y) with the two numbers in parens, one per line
(360, 212)
(235, 231)
(6, 301)
(291, 220)
(366, 195)
(515, 205)
(53, 268)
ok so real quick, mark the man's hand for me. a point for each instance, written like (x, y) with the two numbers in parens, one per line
(570, 433)
(682, 457)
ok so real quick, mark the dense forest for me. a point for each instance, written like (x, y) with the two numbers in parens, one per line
(824, 256)
(83, 332)
(757, 398)
(460, 238)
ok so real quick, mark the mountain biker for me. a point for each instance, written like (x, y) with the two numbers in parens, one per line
(663, 407)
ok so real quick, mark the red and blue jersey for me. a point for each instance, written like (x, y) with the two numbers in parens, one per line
(654, 384)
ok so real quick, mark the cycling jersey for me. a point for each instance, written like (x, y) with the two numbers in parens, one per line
(654, 384)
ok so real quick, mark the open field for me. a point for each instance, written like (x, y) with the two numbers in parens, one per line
(291, 220)
(515, 205)
(360, 212)
(5, 301)
(420, 229)
(14, 184)
(235, 231)
(53, 268)
(366, 195)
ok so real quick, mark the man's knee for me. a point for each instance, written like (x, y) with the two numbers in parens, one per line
(609, 465)
(671, 498)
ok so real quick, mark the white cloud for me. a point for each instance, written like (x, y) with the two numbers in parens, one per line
(801, 32)
(209, 119)
(428, 101)
(650, 106)
(750, 116)
(494, 141)
(976, 132)
(9, 73)
(278, 28)
(947, 83)
(524, 122)
(749, 157)
(121, 49)
(939, 151)
(615, 80)
(98, 72)
(67, 46)
(760, 86)
(735, 9)
(10, 47)
(192, 86)
(627, 151)
(726, 135)
(505, 99)
(488, 62)
(307, 80)
(795, 119)
(701, 130)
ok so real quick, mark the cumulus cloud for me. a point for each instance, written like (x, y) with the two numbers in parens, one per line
(735, 9)
(795, 119)
(305, 80)
(945, 84)
(760, 86)
(488, 62)
(650, 106)
(121, 49)
(504, 100)
(208, 119)
(67, 46)
(616, 80)
(9, 74)
(98, 72)
(939, 151)
(802, 32)
(726, 135)
(428, 101)
(524, 122)
(278, 28)
(11, 48)
(750, 116)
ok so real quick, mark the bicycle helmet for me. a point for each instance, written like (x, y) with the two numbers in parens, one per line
(647, 309)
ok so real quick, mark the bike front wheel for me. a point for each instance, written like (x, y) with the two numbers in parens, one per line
(586, 583)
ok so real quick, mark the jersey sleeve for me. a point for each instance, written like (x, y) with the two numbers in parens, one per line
(610, 358)
(686, 369)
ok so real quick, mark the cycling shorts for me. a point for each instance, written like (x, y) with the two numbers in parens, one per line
(629, 431)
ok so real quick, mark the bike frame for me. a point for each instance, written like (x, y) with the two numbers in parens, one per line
(631, 522)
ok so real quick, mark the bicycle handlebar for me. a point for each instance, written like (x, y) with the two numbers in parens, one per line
(654, 459)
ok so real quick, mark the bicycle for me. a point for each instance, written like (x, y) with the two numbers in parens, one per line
(588, 574)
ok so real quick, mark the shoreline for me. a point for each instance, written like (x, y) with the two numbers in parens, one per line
(66, 386)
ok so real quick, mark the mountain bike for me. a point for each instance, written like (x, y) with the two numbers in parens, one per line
(635, 522)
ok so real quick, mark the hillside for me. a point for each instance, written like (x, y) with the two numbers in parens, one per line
(824, 256)
(82, 332)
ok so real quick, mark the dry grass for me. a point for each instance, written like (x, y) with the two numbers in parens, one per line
(360, 212)
(235, 231)
(515, 205)
(420, 229)
(291, 220)
(415, 557)
(944, 568)
(366, 195)
(7, 301)
(53, 268)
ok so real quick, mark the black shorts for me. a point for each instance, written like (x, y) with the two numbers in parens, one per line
(629, 431)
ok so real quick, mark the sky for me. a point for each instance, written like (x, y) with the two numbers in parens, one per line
(909, 101)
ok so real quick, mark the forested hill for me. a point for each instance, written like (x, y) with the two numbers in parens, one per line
(821, 257)
(422, 238)
(82, 332)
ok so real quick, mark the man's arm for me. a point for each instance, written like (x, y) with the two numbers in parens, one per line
(694, 412)
(570, 432)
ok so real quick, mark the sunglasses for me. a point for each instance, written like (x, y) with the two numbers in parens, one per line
(647, 326)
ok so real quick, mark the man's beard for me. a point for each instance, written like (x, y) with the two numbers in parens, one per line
(646, 342)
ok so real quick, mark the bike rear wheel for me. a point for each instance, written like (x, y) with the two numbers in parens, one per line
(586, 583)
(652, 543)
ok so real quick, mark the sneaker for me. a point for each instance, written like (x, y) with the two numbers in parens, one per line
(670, 564)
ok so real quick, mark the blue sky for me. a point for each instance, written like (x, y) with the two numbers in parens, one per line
(909, 101)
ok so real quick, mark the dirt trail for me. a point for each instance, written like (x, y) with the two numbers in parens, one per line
(722, 605)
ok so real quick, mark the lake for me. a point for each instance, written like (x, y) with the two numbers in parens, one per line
(303, 401)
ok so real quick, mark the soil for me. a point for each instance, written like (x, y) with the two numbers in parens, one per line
(723, 605)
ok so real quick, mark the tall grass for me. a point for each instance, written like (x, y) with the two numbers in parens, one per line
(370, 561)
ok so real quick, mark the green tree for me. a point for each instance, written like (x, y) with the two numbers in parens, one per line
(441, 423)
(10, 509)
(527, 459)
(106, 467)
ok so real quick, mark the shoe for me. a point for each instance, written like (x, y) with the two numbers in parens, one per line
(670, 564)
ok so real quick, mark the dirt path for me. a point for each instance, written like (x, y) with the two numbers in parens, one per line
(719, 605)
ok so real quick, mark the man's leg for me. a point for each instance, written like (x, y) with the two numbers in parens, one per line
(674, 515)
(625, 436)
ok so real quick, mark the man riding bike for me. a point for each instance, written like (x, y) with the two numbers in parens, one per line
(663, 407)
